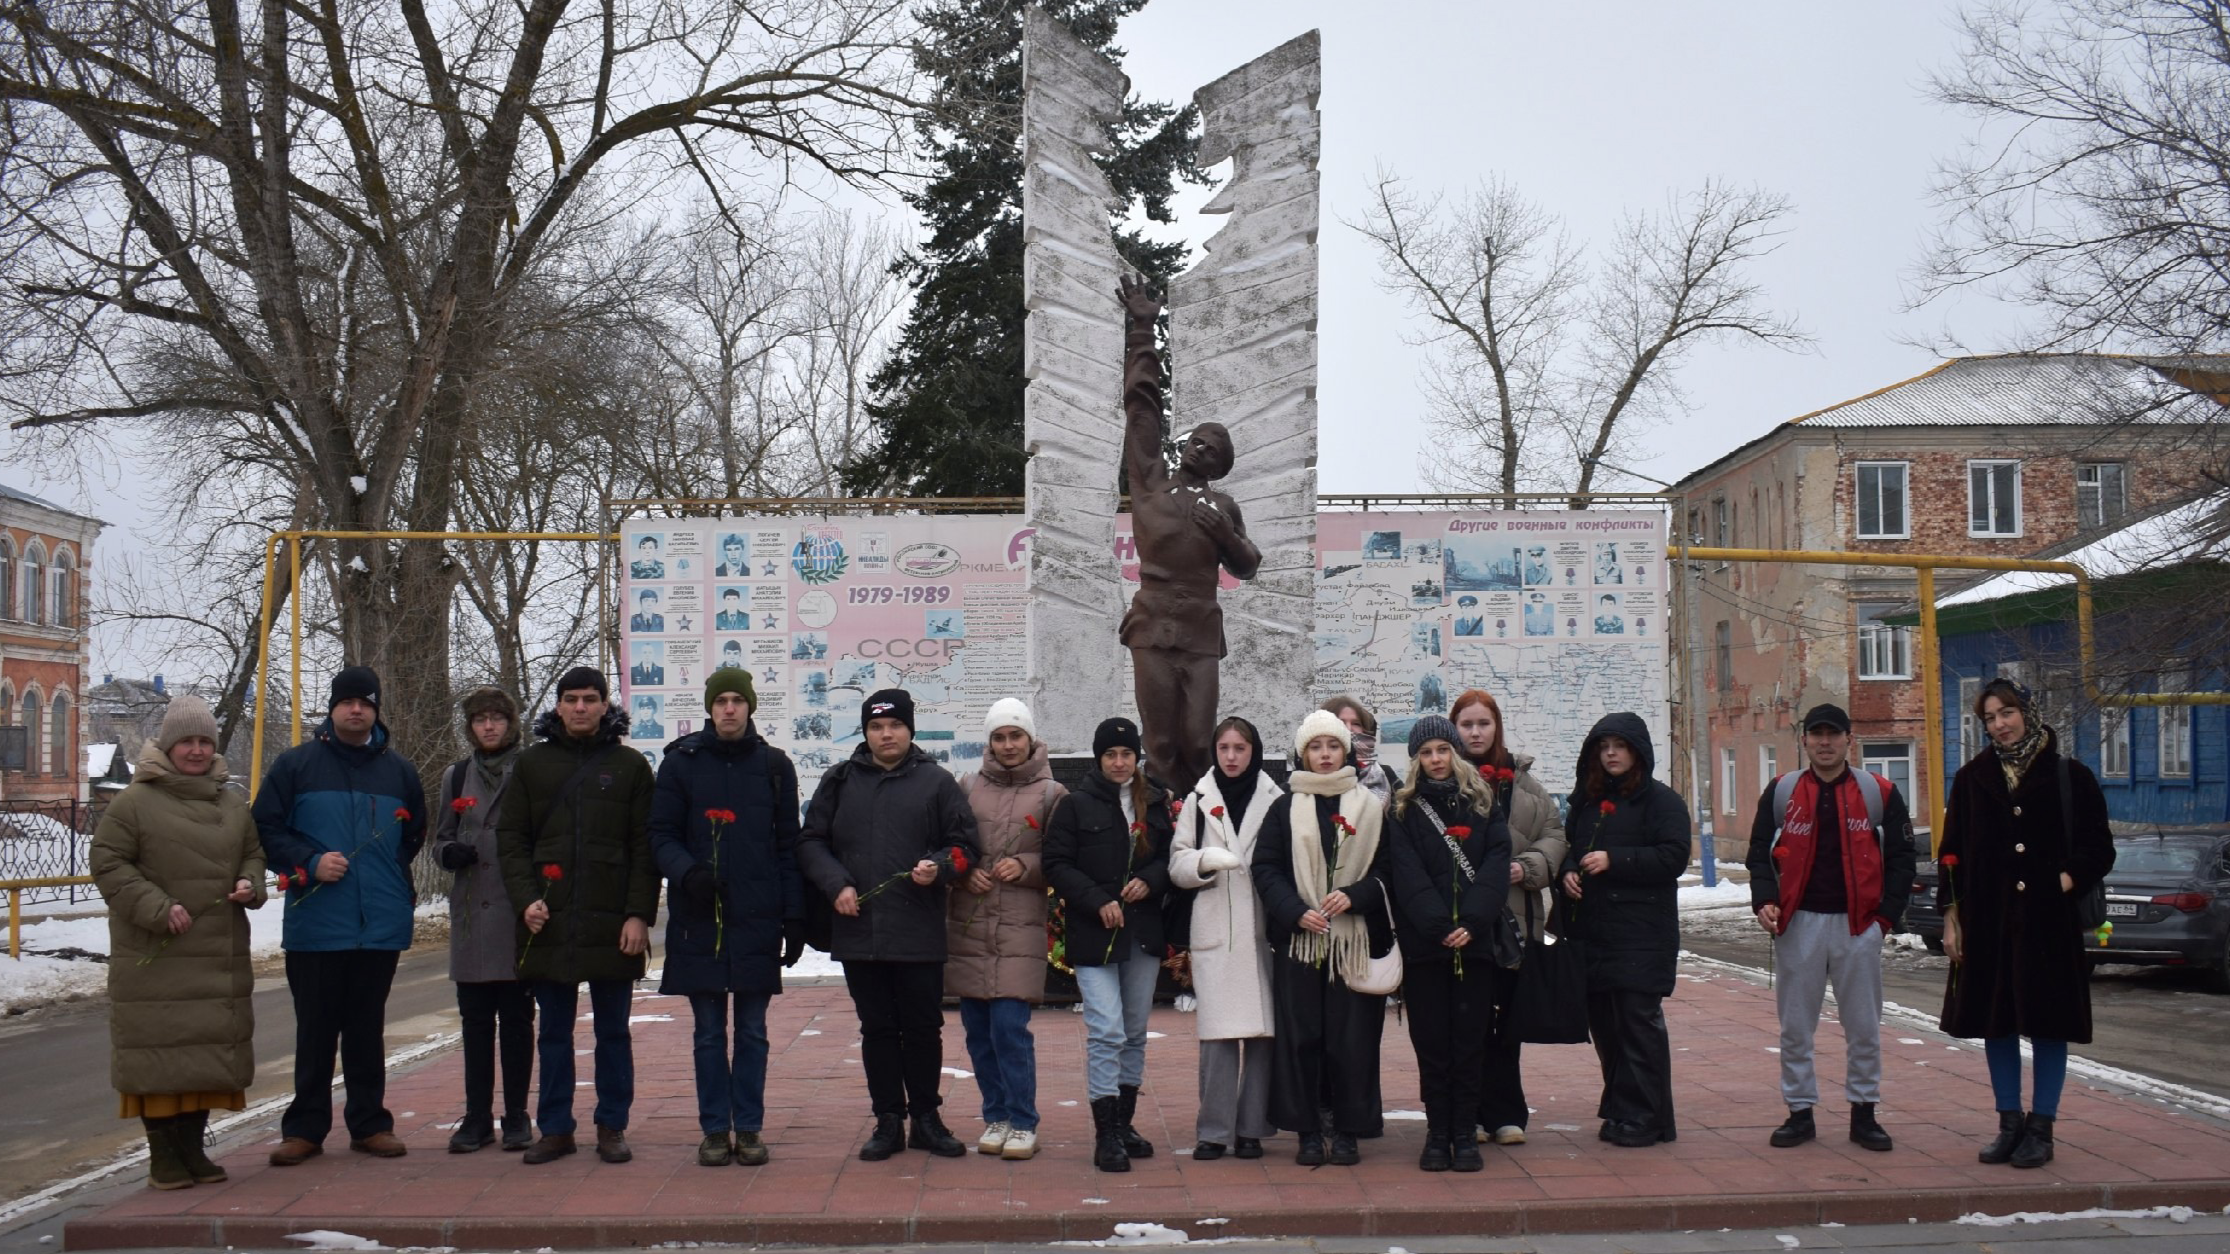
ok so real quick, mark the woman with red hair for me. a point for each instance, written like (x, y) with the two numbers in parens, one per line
(1537, 848)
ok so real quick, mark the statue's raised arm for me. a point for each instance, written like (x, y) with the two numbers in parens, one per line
(1142, 401)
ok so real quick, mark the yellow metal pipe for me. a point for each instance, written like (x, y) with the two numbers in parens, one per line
(294, 603)
(1931, 706)
(263, 663)
(15, 904)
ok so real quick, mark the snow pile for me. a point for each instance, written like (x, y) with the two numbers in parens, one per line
(2177, 1214)
(1139, 1234)
(814, 964)
(1725, 895)
(327, 1239)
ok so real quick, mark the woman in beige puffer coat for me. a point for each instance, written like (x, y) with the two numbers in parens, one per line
(995, 927)
(176, 858)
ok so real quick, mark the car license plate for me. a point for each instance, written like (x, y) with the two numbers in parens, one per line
(2121, 909)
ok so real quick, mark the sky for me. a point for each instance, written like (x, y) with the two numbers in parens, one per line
(1593, 110)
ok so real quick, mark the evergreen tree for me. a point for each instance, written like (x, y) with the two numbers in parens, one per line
(948, 401)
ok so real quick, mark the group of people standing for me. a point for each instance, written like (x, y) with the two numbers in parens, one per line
(1285, 905)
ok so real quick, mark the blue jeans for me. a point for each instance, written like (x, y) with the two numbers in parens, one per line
(2004, 1056)
(1006, 1058)
(609, 1001)
(731, 1093)
(1117, 999)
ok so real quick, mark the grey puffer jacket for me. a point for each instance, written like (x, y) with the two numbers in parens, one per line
(866, 827)
(996, 940)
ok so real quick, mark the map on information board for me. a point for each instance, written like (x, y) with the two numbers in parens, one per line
(1561, 615)
(823, 611)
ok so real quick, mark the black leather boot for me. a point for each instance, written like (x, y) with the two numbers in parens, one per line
(1435, 1156)
(1798, 1128)
(2035, 1148)
(930, 1133)
(1107, 1137)
(888, 1138)
(1865, 1131)
(2009, 1136)
(1310, 1153)
(1463, 1152)
(1126, 1108)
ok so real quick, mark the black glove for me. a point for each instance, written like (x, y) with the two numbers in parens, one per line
(456, 856)
(793, 941)
(701, 885)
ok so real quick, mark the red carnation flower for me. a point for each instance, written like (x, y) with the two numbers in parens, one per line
(553, 872)
(1460, 833)
(1218, 812)
(1030, 821)
(959, 861)
(402, 815)
(462, 804)
(1949, 859)
(1340, 821)
(1607, 806)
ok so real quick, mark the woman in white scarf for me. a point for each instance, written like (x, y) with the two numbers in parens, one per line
(1319, 866)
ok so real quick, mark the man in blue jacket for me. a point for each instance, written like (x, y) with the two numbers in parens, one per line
(342, 816)
(724, 831)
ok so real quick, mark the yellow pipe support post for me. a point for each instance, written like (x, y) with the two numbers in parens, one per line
(263, 661)
(294, 604)
(15, 924)
(1931, 707)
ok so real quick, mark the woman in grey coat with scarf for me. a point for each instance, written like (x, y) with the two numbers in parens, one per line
(497, 1009)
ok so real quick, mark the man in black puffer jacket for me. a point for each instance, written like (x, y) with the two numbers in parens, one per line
(576, 863)
(888, 832)
(1629, 844)
(724, 830)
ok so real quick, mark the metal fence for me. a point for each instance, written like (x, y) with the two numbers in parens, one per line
(39, 839)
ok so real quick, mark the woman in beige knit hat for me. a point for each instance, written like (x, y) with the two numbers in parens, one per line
(177, 860)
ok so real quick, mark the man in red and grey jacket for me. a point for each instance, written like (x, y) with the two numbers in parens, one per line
(1831, 865)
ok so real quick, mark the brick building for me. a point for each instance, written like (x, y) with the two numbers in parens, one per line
(45, 560)
(1981, 456)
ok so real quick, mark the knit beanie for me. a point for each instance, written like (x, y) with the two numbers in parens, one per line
(733, 679)
(1319, 723)
(185, 718)
(1009, 712)
(1115, 733)
(584, 677)
(360, 682)
(888, 703)
(1430, 728)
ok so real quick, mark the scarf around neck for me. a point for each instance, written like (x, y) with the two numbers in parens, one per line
(1348, 945)
(493, 768)
(2016, 758)
(1237, 790)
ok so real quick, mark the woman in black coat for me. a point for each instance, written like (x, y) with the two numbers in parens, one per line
(1107, 858)
(2024, 837)
(1320, 869)
(1448, 851)
(1629, 844)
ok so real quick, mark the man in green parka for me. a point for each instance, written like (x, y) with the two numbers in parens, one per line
(575, 847)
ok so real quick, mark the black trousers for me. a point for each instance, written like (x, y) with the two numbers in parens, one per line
(340, 999)
(1325, 1054)
(1501, 1086)
(1630, 1042)
(1449, 1023)
(507, 1005)
(901, 1032)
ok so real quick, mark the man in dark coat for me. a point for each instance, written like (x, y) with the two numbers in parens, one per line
(1829, 876)
(344, 815)
(888, 831)
(724, 831)
(1629, 844)
(577, 865)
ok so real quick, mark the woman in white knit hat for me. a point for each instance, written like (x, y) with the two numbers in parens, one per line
(1320, 866)
(995, 926)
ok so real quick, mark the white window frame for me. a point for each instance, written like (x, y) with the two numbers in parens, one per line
(2095, 490)
(1904, 501)
(1990, 531)
(2113, 742)
(2172, 723)
(1730, 788)
(1885, 651)
(1891, 751)
(1970, 727)
(1769, 765)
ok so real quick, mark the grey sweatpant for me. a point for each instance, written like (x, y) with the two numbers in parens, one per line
(1234, 1096)
(1817, 950)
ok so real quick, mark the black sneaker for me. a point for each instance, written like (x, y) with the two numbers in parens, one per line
(1344, 1151)
(1207, 1151)
(472, 1134)
(1311, 1153)
(1248, 1147)
(518, 1132)
(1799, 1128)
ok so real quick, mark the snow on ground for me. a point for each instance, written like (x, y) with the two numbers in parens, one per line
(1726, 894)
(41, 976)
(2177, 1214)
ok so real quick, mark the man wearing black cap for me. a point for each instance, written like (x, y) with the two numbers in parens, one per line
(344, 816)
(1831, 864)
(577, 867)
(888, 831)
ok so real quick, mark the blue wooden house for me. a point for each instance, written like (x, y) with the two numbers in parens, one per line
(2160, 588)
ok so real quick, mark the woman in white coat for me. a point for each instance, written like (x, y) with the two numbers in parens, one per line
(1230, 956)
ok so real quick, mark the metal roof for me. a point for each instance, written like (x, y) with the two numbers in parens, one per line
(13, 494)
(2069, 389)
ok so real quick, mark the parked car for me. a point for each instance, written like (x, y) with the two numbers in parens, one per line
(2168, 899)
(1921, 916)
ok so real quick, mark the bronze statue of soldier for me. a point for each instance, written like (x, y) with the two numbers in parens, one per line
(1185, 530)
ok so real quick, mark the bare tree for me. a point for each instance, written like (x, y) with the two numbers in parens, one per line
(1544, 370)
(2097, 187)
(305, 229)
